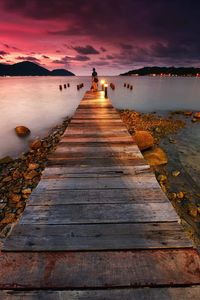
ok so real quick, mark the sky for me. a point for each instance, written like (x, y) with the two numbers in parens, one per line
(114, 36)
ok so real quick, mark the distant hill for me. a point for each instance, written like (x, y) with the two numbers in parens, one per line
(27, 68)
(61, 72)
(181, 71)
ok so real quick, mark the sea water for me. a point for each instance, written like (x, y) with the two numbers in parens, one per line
(37, 102)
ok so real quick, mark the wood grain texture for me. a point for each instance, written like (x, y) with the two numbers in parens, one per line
(99, 213)
(146, 293)
(99, 269)
(96, 237)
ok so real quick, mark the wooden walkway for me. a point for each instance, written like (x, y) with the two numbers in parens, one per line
(98, 226)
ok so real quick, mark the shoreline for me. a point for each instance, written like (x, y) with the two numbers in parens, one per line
(20, 176)
(178, 181)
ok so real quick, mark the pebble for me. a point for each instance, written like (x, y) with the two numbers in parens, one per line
(176, 173)
(33, 166)
(30, 174)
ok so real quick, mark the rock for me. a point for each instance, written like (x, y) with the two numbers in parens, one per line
(33, 166)
(16, 174)
(176, 173)
(180, 195)
(155, 157)
(172, 141)
(143, 139)
(193, 211)
(197, 115)
(187, 113)
(6, 160)
(26, 191)
(15, 198)
(7, 179)
(30, 175)
(22, 131)
(158, 130)
(162, 177)
(9, 218)
(194, 120)
(34, 145)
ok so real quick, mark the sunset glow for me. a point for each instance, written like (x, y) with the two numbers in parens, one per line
(114, 36)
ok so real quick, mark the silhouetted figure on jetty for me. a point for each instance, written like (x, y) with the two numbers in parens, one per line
(95, 80)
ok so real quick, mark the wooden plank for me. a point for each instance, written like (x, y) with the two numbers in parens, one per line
(99, 213)
(88, 130)
(111, 148)
(94, 110)
(96, 116)
(99, 269)
(98, 139)
(87, 154)
(124, 182)
(146, 293)
(57, 197)
(99, 134)
(102, 170)
(96, 237)
(109, 162)
(97, 121)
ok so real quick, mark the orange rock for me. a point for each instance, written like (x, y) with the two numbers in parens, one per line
(197, 115)
(15, 198)
(155, 157)
(33, 166)
(22, 131)
(34, 145)
(144, 139)
(30, 175)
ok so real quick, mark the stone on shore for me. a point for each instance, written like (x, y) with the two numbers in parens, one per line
(36, 144)
(6, 160)
(143, 139)
(197, 115)
(22, 131)
(155, 156)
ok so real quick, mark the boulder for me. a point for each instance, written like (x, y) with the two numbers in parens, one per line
(143, 139)
(155, 157)
(6, 160)
(197, 115)
(22, 131)
(36, 144)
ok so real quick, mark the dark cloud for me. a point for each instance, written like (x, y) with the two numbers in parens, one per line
(30, 58)
(139, 31)
(45, 56)
(1, 57)
(2, 53)
(67, 59)
(103, 49)
(86, 50)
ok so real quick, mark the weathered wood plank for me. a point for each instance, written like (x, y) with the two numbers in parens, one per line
(99, 269)
(124, 182)
(99, 213)
(93, 154)
(86, 139)
(97, 116)
(57, 197)
(88, 130)
(100, 110)
(109, 162)
(96, 237)
(100, 121)
(84, 169)
(146, 293)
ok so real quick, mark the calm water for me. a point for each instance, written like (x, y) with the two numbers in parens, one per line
(37, 103)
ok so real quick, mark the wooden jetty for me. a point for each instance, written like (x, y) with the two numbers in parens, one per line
(98, 226)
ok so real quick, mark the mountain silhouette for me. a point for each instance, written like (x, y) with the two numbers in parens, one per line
(179, 71)
(27, 68)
